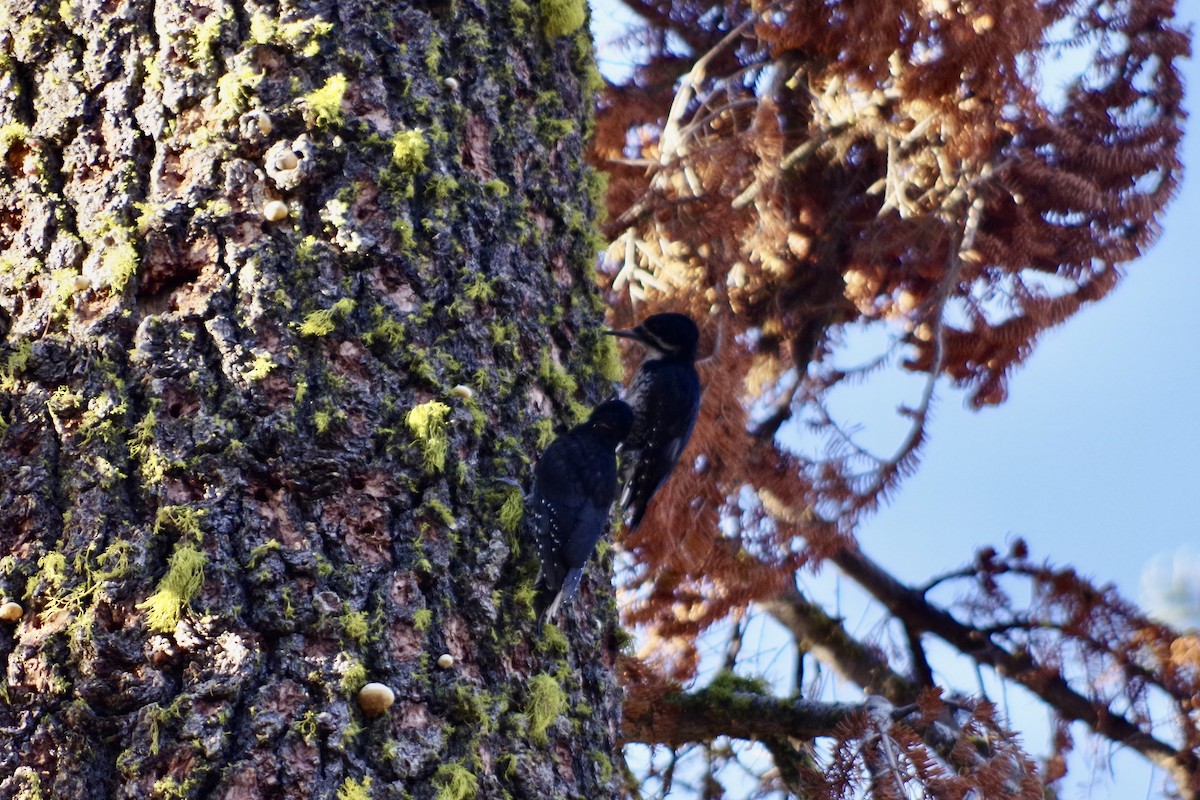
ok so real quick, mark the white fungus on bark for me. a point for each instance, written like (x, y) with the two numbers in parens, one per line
(275, 211)
(376, 698)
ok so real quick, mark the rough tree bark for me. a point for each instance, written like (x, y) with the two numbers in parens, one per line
(286, 290)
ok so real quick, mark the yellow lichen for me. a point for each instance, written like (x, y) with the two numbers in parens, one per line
(325, 104)
(480, 290)
(184, 520)
(302, 35)
(261, 368)
(513, 510)
(321, 322)
(355, 790)
(496, 188)
(234, 90)
(120, 261)
(455, 782)
(561, 17)
(553, 376)
(185, 576)
(354, 678)
(205, 35)
(388, 331)
(409, 150)
(354, 624)
(427, 422)
(546, 701)
(12, 132)
(17, 360)
(607, 360)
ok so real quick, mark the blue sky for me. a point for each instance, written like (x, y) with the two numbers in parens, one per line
(1093, 458)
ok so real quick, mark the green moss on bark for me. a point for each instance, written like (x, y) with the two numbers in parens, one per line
(546, 702)
(561, 17)
(185, 575)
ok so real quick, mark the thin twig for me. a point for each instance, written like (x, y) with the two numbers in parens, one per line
(670, 139)
(945, 288)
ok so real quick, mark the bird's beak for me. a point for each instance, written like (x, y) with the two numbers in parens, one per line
(632, 333)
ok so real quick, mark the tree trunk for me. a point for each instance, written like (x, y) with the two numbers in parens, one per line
(286, 291)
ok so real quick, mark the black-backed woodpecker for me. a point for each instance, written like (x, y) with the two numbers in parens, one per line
(665, 396)
(574, 485)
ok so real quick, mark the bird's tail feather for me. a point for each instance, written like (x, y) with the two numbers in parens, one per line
(550, 610)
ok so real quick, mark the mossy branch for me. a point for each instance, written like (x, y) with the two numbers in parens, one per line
(722, 710)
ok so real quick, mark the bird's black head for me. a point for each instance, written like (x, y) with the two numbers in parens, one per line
(612, 420)
(672, 335)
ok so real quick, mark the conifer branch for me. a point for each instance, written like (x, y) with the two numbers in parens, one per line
(913, 609)
(830, 643)
(671, 139)
(703, 715)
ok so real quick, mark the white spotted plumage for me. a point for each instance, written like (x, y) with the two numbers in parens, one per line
(574, 484)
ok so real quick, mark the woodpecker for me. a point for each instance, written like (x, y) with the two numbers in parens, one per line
(574, 485)
(665, 396)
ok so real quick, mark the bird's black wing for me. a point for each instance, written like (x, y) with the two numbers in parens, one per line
(668, 397)
(596, 487)
(568, 510)
(546, 526)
